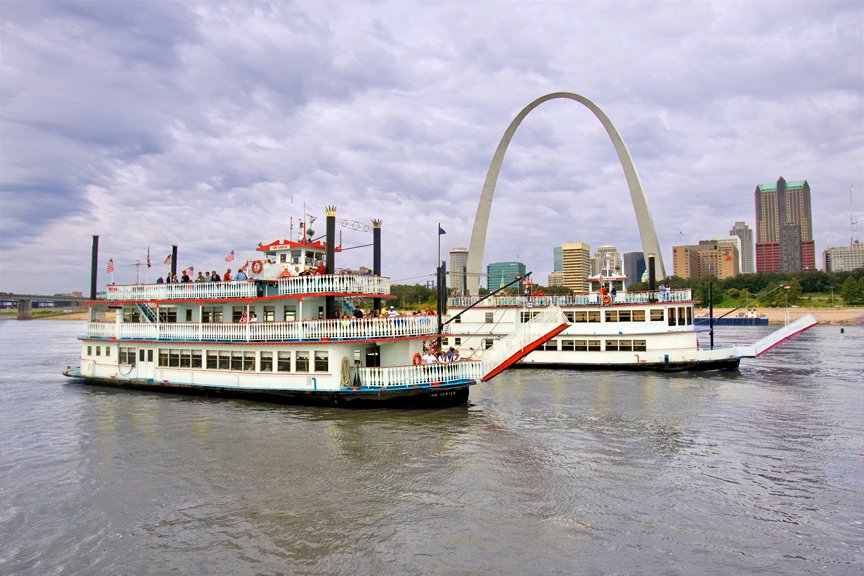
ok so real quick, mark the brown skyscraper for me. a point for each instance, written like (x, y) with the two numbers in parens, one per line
(784, 227)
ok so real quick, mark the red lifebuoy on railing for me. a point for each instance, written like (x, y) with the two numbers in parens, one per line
(418, 359)
(606, 299)
(257, 266)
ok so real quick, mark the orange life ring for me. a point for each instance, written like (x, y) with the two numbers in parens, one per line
(418, 359)
(257, 266)
(606, 299)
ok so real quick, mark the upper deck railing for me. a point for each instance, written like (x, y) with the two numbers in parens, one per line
(308, 330)
(348, 284)
(340, 283)
(521, 301)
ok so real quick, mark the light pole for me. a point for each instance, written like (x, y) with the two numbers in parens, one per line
(786, 294)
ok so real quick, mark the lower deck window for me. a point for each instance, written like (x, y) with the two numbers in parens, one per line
(266, 362)
(127, 356)
(322, 361)
(549, 345)
(302, 361)
(284, 362)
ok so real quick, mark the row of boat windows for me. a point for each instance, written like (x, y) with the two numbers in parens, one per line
(238, 360)
(212, 314)
(680, 316)
(594, 345)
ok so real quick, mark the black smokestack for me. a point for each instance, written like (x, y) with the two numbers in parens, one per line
(94, 267)
(652, 274)
(173, 260)
(376, 256)
(330, 254)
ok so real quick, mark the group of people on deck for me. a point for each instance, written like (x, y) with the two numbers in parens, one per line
(319, 269)
(202, 277)
(440, 357)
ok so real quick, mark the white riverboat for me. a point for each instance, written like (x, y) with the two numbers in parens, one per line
(191, 338)
(608, 329)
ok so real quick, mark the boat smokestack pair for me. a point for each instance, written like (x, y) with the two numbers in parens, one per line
(652, 274)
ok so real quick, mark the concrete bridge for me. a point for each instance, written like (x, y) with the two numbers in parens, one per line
(26, 302)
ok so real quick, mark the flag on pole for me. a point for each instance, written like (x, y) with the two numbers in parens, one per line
(111, 265)
(440, 230)
(149, 264)
(168, 259)
(230, 256)
(188, 271)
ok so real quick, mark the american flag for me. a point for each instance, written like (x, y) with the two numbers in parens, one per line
(230, 256)
(188, 271)
(111, 265)
(168, 259)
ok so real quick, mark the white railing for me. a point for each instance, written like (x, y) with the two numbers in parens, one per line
(520, 301)
(419, 375)
(182, 291)
(334, 283)
(347, 329)
(525, 334)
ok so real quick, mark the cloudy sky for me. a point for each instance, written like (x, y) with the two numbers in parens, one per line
(211, 125)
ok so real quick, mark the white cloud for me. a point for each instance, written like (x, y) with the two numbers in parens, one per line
(209, 125)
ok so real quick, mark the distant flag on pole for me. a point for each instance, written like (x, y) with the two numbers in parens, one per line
(149, 264)
(168, 259)
(440, 230)
(230, 256)
(111, 265)
(188, 271)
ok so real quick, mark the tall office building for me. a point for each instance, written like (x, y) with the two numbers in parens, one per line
(555, 279)
(844, 259)
(500, 273)
(745, 234)
(606, 261)
(708, 258)
(557, 260)
(734, 241)
(784, 227)
(576, 262)
(634, 267)
(458, 270)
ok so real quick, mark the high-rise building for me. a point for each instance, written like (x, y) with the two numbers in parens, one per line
(576, 262)
(734, 241)
(500, 273)
(747, 263)
(708, 258)
(557, 260)
(555, 279)
(784, 227)
(458, 269)
(634, 267)
(607, 260)
(843, 259)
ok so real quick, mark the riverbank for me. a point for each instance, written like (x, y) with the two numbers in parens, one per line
(823, 315)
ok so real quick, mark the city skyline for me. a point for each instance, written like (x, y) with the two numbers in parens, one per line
(188, 135)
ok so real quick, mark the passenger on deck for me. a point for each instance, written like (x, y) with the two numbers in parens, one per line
(253, 317)
(227, 276)
(321, 269)
(214, 277)
(243, 318)
(185, 277)
(429, 357)
(160, 280)
(240, 275)
(200, 277)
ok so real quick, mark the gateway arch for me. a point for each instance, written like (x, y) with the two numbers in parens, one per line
(647, 233)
